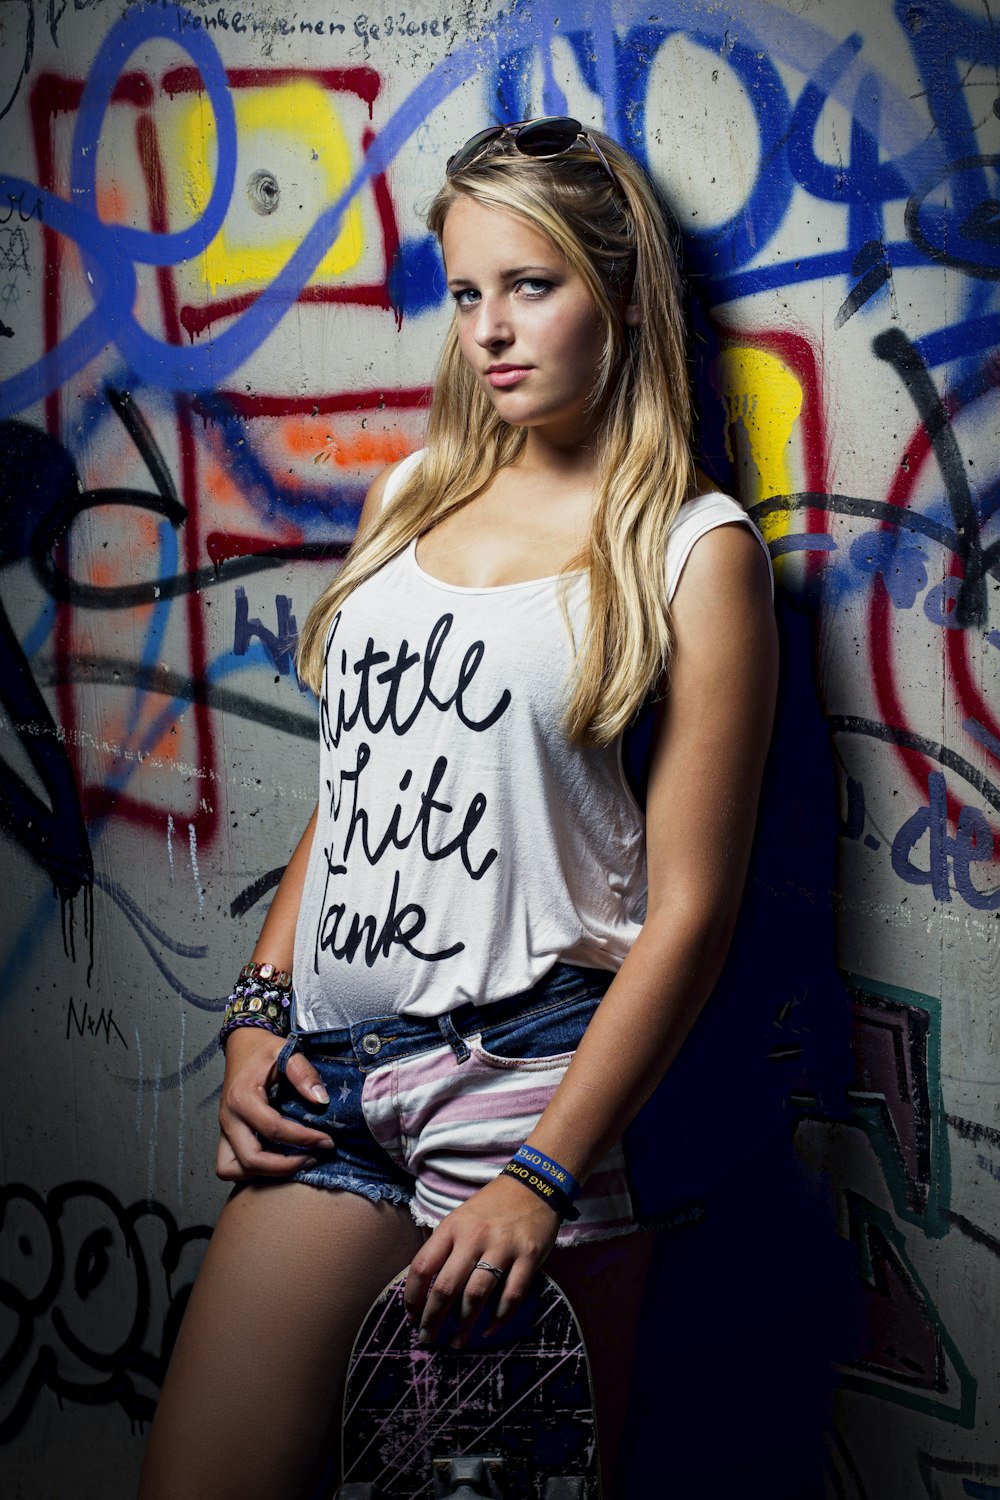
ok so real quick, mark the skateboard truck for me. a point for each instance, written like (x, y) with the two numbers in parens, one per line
(474, 1476)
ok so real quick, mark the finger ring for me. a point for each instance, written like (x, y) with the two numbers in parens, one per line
(484, 1265)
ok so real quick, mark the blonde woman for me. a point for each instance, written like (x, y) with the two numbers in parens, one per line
(498, 943)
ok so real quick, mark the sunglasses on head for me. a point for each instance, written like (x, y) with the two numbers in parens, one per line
(548, 136)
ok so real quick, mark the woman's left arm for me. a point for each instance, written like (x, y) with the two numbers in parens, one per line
(701, 808)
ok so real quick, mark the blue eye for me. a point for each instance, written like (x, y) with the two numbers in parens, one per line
(533, 286)
(464, 295)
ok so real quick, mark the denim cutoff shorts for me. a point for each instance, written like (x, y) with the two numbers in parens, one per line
(425, 1111)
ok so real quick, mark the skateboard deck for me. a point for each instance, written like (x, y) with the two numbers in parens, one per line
(511, 1416)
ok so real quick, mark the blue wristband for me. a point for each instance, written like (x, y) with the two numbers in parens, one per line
(543, 1186)
(546, 1167)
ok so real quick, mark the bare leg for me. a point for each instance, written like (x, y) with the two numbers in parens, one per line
(256, 1379)
(605, 1283)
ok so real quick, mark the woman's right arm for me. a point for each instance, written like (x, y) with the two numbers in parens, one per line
(251, 1052)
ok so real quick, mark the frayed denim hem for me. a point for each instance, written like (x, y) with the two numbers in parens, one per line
(375, 1192)
(590, 1234)
(421, 1220)
(571, 1235)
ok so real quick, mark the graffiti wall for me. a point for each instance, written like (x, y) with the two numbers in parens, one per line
(218, 314)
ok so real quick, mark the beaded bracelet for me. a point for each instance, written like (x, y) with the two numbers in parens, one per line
(544, 1187)
(262, 997)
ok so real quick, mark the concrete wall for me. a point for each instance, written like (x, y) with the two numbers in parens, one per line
(218, 312)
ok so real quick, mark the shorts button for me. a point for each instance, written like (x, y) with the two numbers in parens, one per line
(371, 1044)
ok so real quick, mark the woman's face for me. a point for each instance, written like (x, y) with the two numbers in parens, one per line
(527, 323)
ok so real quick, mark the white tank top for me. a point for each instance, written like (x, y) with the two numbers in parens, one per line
(463, 844)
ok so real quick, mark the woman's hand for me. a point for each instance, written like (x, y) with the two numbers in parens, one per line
(245, 1114)
(505, 1224)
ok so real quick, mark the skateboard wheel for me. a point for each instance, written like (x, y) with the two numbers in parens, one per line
(565, 1489)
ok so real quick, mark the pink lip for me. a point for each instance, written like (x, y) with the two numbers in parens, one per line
(503, 375)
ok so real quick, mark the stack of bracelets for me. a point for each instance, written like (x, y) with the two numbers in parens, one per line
(546, 1178)
(262, 997)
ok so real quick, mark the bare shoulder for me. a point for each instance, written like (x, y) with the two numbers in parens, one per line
(376, 495)
(725, 632)
(725, 580)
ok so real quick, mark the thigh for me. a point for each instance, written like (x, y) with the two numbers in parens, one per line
(256, 1378)
(605, 1283)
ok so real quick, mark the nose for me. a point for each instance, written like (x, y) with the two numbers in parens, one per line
(492, 329)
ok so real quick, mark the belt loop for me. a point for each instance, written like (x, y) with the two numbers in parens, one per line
(451, 1036)
(290, 1046)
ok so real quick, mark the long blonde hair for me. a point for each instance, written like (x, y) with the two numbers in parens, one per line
(615, 237)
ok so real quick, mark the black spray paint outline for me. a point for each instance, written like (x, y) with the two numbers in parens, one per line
(893, 346)
(119, 1367)
(29, 51)
(120, 672)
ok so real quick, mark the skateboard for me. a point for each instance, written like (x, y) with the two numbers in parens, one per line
(510, 1417)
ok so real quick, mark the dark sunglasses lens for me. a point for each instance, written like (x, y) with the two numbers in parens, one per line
(472, 147)
(548, 137)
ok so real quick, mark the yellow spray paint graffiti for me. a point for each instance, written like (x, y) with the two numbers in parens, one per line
(761, 395)
(293, 137)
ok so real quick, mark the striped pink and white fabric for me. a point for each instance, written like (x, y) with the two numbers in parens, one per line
(455, 1125)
